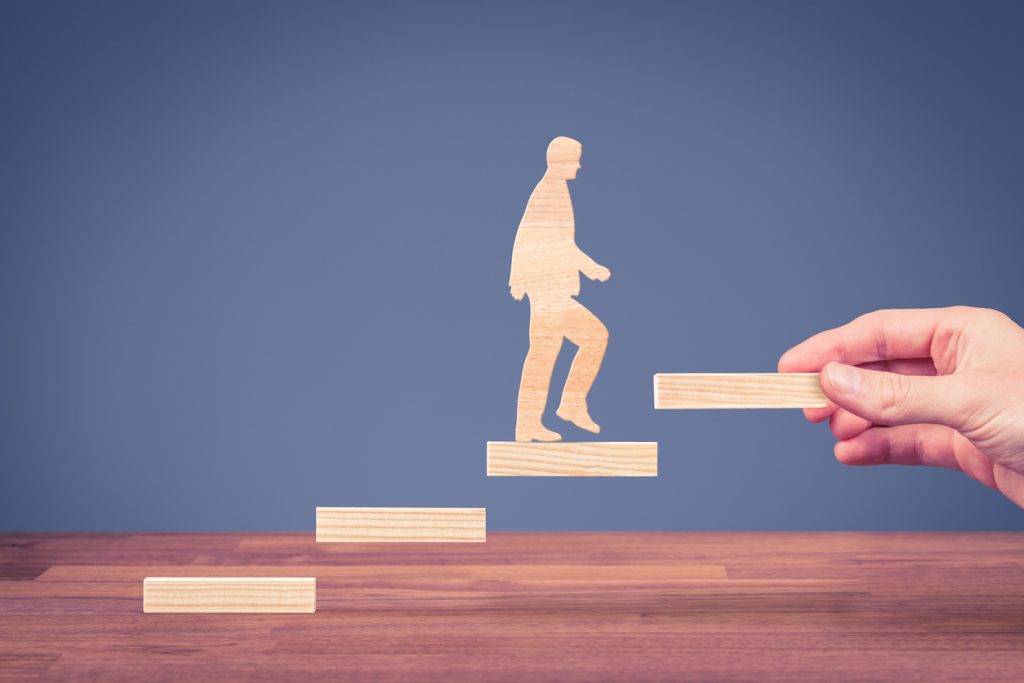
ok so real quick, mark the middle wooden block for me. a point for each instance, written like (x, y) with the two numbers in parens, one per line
(401, 525)
(572, 459)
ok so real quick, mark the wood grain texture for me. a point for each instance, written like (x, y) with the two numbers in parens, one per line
(738, 390)
(651, 606)
(398, 525)
(572, 459)
(527, 607)
(267, 594)
(546, 268)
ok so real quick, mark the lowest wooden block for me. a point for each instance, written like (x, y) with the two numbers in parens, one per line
(738, 390)
(229, 594)
(572, 459)
(438, 525)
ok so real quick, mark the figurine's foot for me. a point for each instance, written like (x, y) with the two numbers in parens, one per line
(579, 416)
(537, 432)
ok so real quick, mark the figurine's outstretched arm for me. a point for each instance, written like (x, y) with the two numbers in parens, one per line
(591, 268)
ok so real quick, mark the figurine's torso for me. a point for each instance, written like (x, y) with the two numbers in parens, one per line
(545, 257)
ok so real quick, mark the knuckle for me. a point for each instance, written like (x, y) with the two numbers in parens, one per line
(970, 316)
(881, 346)
(864, 318)
(895, 394)
(841, 347)
(973, 313)
(994, 315)
(881, 315)
(917, 447)
(835, 427)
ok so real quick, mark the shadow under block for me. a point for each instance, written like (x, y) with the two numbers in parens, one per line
(401, 525)
(265, 594)
(738, 390)
(572, 459)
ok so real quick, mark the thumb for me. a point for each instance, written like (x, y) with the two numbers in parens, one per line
(889, 398)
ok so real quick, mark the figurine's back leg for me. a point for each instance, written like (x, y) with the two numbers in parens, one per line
(545, 343)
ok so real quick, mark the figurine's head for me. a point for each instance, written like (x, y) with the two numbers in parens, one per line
(564, 158)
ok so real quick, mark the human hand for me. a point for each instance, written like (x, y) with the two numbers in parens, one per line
(517, 292)
(941, 387)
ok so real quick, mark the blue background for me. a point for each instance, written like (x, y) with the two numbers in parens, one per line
(254, 256)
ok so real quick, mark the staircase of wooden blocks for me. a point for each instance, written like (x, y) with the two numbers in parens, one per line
(469, 525)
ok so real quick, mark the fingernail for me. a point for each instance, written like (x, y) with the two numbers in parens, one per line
(845, 380)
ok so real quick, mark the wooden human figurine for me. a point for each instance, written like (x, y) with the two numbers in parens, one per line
(546, 263)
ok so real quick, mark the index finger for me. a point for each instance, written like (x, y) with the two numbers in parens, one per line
(877, 336)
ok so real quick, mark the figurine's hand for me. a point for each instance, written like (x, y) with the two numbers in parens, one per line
(600, 273)
(942, 387)
(517, 292)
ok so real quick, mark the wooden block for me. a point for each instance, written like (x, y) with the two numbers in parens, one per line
(572, 459)
(229, 594)
(398, 525)
(738, 390)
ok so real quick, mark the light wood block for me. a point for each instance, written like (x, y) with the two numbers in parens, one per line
(572, 459)
(229, 594)
(738, 390)
(399, 525)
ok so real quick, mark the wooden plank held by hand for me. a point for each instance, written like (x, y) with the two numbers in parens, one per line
(738, 390)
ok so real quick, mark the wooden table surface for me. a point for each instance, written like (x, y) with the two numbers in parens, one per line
(527, 607)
